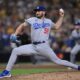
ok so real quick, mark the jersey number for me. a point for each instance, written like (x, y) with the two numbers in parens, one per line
(46, 30)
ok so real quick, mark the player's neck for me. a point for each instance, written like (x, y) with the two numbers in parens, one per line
(43, 17)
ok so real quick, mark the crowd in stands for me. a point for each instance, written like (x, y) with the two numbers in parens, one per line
(14, 12)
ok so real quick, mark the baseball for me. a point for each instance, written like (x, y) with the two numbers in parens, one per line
(61, 10)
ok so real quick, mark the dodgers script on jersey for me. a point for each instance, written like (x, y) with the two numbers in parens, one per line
(40, 28)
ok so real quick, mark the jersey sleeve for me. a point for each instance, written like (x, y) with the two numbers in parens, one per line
(28, 21)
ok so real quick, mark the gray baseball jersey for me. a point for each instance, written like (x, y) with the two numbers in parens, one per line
(40, 29)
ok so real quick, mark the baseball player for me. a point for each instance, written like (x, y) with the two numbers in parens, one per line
(40, 29)
(75, 35)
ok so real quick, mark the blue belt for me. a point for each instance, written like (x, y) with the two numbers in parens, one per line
(35, 43)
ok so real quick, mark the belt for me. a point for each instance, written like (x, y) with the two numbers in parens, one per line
(35, 43)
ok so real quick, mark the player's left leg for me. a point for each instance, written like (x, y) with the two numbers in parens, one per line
(22, 50)
(45, 50)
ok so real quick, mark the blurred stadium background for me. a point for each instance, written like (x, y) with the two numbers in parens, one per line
(13, 12)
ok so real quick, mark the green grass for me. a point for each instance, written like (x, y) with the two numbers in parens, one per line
(31, 71)
(34, 70)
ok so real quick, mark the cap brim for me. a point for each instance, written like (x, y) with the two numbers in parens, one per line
(36, 10)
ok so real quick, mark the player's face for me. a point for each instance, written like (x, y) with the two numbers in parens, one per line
(40, 14)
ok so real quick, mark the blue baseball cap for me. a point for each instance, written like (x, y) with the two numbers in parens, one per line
(40, 8)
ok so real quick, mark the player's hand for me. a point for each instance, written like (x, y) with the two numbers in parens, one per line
(61, 12)
(13, 38)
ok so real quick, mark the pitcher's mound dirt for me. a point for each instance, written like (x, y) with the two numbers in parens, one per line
(48, 76)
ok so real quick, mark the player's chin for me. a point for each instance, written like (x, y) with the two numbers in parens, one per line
(38, 16)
